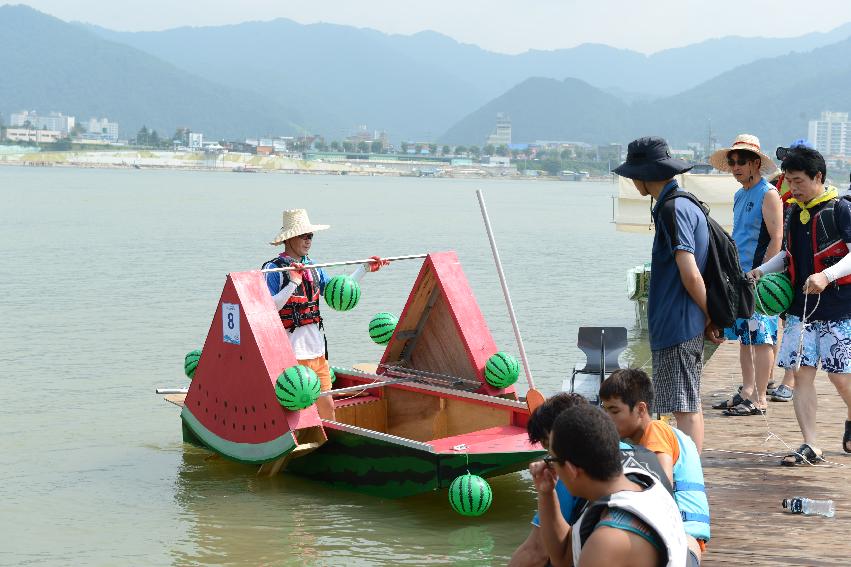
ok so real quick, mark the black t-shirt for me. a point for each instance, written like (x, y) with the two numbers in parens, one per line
(835, 301)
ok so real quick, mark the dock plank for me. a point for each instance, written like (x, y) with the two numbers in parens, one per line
(746, 484)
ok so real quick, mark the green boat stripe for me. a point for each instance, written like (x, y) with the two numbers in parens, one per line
(252, 453)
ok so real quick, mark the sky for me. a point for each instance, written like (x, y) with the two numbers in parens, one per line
(497, 25)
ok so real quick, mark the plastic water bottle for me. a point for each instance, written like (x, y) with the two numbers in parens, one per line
(809, 507)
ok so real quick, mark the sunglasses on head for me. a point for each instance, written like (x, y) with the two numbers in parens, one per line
(740, 161)
(308, 236)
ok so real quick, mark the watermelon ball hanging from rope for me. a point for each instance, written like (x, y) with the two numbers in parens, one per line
(342, 293)
(381, 327)
(774, 294)
(502, 370)
(297, 387)
(470, 495)
(190, 363)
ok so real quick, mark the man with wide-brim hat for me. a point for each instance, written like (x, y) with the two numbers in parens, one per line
(678, 318)
(296, 295)
(758, 233)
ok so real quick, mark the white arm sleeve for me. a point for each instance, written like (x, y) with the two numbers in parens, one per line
(359, 273)
(282, 296)
(840, 269)
(776, 264)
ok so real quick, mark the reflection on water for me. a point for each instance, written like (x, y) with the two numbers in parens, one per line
(110, 277)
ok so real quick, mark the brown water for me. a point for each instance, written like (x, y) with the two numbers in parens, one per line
(109, 277)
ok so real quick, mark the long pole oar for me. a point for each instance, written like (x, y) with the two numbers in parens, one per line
(348, 263)
(533, 397)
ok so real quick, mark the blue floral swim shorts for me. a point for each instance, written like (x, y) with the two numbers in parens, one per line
(825, 342)
(758, 330)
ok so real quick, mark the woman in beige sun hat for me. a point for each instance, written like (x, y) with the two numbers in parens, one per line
(296, 295)
(742, 143)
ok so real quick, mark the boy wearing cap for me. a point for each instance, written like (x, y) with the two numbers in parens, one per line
(296, 295)
(677, 314)
(758, 233)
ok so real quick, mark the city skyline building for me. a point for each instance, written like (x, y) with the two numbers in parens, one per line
(830, 134)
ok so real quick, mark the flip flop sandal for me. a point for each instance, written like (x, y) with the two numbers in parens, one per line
(806, 454)
(731, 403)
(747, 407)
(846, 439)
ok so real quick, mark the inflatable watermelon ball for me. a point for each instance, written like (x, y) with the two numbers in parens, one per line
(502, 370)
(774, 294)
(381, 327)
(342, 293)
(297, 387)
(470, 495)
(190, 363)
(332, 374)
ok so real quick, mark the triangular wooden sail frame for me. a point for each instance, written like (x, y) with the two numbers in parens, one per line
(441, 329)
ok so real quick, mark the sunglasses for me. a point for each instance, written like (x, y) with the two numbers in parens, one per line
(308, 236)
(550, 459)
(740, 161)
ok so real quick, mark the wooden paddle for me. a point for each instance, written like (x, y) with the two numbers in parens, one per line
(534, 398)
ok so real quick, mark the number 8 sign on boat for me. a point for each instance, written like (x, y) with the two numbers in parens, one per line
(230, 323)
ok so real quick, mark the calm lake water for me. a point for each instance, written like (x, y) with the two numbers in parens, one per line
(109, 277)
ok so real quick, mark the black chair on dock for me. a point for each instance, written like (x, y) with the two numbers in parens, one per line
(602, 347)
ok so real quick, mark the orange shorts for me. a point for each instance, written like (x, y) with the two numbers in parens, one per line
(320, 366)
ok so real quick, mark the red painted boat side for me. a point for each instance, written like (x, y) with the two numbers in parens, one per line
(503, 439)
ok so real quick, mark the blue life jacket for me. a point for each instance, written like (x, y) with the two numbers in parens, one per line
(689, 490)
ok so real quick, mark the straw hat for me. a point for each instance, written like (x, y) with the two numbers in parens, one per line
(744, 142)
(296, 223)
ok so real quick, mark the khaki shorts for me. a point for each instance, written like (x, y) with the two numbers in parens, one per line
(320, 366)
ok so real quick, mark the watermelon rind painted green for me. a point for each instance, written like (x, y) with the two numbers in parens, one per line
(249, 453)
(501, 370)
(342, 293)
(381, 327)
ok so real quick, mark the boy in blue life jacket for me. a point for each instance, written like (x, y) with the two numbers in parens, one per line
(627, 396)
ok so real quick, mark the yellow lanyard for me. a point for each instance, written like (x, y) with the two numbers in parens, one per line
(829, 193)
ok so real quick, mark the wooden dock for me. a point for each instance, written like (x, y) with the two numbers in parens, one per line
(746, 484)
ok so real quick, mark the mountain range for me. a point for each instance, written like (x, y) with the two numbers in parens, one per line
(282, 77)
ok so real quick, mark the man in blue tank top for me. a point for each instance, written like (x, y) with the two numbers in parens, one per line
(758, 233)
(677, 314)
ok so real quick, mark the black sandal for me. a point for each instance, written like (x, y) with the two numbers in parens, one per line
(729, 404)
(747, 407)
(806, 454)
(846, 439)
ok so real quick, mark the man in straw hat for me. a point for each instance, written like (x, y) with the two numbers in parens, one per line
(758, 233)
(296, 294)
(817, 257)
(677, 313)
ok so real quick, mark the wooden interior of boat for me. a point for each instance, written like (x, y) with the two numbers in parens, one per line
(421, 415)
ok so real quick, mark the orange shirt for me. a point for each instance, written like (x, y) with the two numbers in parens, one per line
(659, 437)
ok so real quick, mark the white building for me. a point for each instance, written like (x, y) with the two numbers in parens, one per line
(831, 134)
(55, 121)
(501, 136)
(33, 135)
(102, 129)
(196, 140)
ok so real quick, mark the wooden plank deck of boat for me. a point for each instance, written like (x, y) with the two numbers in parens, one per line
(746, 484)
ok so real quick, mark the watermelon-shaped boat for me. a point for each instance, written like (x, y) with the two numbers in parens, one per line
(411, 423)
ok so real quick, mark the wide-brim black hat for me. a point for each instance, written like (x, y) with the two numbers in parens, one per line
(649, 159)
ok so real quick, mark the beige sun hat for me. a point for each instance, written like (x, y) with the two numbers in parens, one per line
(295, 223)
(746, 142)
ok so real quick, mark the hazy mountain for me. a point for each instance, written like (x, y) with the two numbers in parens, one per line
(47, 64)
(417, 86)
(772, 98)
